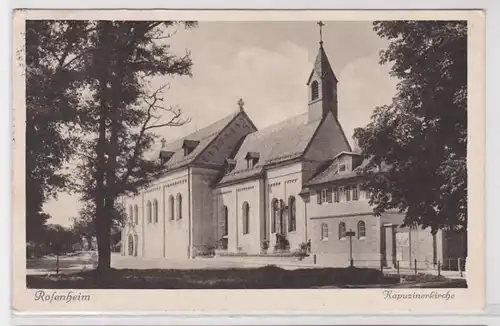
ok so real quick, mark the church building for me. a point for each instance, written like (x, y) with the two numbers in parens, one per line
(239, 189)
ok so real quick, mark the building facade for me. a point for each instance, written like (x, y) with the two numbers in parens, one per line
(236, 188)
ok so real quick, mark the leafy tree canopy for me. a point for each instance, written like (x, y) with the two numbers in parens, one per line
(420, 139)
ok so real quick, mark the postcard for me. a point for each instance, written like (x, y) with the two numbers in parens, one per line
(248, 161)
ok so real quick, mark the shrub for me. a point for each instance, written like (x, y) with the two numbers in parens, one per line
(222, 244)
(264, 245)
(282, 243)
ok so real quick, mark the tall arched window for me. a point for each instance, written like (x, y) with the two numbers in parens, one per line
(274, 214)
(131, 214)
(314, 90)
(155, 210)
(171, 203)
(179, 206)
(292, 223)
(226, 220)
(342, 230)
(246, 218)
(136, 214)
(324, 231)
(149, 211)
(361, 229)
(130, 245)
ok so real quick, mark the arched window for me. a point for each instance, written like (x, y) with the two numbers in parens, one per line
(131, 214)
(149, 212)
(155, 210)
(171, 203)
(292, 216)
(314, 90)
(342, 230)
(361, 229)
(136, 214)
(246, 218)
(274, 214)
(130, 245)
(226, 220)
(324, 231)
(179, 206)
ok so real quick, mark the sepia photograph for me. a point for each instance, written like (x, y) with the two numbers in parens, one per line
(191, 154)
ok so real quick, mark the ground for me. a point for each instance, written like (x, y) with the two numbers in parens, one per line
(77, 272)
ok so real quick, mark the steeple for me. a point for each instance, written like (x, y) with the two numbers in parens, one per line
(322, 85)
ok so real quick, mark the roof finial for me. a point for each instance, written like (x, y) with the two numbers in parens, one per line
(321, 24)
(163, 142)
(241, 103)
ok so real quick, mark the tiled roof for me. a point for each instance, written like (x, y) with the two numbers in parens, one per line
(321, 65)
(330, 174)
(204, 136)
(277, 143)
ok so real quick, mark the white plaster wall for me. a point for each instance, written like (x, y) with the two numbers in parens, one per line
(281, 183)
(233, 197)
(153, 231)
(176, 232)
(136, 229)
(204, 218)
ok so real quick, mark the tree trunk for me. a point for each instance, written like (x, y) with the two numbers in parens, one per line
(89, 242)
(102, 234)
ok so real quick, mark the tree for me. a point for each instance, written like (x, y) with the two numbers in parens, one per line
(52, 81)
(416, 146)
(84, 225)
(121, 114)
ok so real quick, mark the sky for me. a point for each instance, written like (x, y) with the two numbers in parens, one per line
(267, 65)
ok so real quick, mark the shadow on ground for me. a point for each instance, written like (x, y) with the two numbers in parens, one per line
(269, 277)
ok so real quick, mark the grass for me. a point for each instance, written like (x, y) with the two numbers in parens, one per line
(269, 277)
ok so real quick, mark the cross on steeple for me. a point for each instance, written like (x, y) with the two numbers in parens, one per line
(163, 142)
(241, 103)
(320, 24)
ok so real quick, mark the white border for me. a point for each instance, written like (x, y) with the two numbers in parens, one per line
(493, 147)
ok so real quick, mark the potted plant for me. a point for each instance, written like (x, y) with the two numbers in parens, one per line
(282, 243)
(264, 246)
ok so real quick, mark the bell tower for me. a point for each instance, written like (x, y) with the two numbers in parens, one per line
(322, 85)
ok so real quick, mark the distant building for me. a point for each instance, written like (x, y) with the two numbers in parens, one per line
(232, 186)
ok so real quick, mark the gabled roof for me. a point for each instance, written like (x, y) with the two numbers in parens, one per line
(321, 66)
(281, 142)
(202, 138)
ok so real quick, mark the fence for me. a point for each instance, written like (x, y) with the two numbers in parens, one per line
(450, 266)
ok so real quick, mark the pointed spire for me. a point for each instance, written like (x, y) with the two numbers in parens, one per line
(321, 65)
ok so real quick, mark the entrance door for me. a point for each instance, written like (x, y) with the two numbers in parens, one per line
(403, 249)
(283, 224)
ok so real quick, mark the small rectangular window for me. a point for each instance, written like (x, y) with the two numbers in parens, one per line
(336, 195)
(318, 197)
(347, 192)
(324, 196)
(329, 195)
(355, 193)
